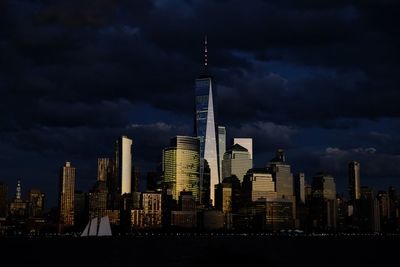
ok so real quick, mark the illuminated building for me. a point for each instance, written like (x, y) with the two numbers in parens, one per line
(18, 207)
(236, 162)
(246, 143)
(125, 164)
(206, 131)
(181, 166)
(67, 194)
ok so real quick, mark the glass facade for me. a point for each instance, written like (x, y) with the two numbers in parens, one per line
(206, 130)
(181, 165)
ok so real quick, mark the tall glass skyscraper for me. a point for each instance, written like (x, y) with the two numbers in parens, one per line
(206, 130)
(181, 166)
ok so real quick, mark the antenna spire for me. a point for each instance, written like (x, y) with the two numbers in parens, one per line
(205, 53)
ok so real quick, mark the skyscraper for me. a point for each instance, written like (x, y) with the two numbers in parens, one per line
(281, 172)
(324, 206)
(125, 164)
(205, 128)
(246, 143)
(181, 166)
(236, 161)
(36, 202)
(299, 188)
(18, 207)
(67, 194)
(221, 147)
(354, 181)
(104, 169)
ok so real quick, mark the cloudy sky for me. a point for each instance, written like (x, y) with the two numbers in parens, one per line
(317, 78)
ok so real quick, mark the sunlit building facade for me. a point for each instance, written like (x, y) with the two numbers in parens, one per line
(125, 164)
(246, 143)
(236, 161)
(181, 166)
(205, 129)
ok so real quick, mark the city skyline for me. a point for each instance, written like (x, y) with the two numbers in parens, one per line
(71, 83)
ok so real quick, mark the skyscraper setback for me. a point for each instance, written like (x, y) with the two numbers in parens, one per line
(206, 129)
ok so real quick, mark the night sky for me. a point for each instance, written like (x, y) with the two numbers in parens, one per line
(316, 78)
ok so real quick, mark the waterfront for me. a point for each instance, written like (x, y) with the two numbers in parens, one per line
(201, 250)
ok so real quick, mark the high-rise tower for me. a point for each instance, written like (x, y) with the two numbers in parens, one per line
(124, 165)
(206, 130)
(66, 194)
(354, 181)
(181, 166)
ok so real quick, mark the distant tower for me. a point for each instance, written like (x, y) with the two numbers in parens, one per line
(18, 191)
(281, 172)
(67, 194)
(221, 147)
(36, 202)
(237, 162)
(299, 187)
(125, 164)
(354, 181)
(104, 169)
(206, 130)
(246, 143)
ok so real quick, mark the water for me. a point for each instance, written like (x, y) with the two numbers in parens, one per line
(203, 251)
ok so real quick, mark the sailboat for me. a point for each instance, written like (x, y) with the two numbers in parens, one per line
(98, 227)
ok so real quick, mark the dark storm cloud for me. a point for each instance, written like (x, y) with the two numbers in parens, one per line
(74, 75)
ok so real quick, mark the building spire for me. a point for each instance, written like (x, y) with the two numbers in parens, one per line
(205, 54)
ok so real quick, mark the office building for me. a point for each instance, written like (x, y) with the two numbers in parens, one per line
(181, 166)
(236, 162)
(151, 205)
(67, 194)
(124, 165)
(36, 202)
(206, 131)
(18, 206)
(258, 185)
(104, 169)
(98, 200)
(221, 147)
(246, 143)
(299, 188)
(354, 181)
(282, 175)
(323, 203)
